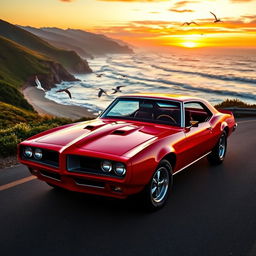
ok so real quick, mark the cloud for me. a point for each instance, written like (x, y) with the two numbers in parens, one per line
(131, 1)
(180, 6)
(241, 1)
(180, 10)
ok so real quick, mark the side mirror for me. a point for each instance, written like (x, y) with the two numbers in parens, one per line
(194, 123)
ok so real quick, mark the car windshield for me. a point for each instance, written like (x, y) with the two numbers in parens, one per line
(146, 110)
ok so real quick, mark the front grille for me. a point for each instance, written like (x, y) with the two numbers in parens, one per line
(50, 157)
(89, 183)
(84, 164)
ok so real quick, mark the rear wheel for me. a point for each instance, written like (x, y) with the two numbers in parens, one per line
(156, 192)
(219, 151)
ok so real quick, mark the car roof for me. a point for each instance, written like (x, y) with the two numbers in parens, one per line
(175, 97)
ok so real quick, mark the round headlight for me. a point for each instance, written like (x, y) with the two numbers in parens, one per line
(38, 154)
(28, 152)
(106, 166)
(120, 169)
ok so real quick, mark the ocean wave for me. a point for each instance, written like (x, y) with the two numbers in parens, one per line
(212, 76)
(189, 87)
(122, 64)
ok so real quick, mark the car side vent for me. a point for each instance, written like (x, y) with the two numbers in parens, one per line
(119, 132)
(89, 127)
(125, 130)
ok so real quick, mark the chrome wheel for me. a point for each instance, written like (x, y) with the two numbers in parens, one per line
(222, 146)
(159, 185)
(219, 151)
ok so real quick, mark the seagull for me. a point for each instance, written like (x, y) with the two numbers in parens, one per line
(99, 75)
(66, 91)
(101, 91)
(117, 89)
(123, 75)
(215, 17)
(38, 84)
(189, 23)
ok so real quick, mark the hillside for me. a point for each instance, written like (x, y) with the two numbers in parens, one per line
(69, 59)
(19, 65)
(84, 43)
(59, 41)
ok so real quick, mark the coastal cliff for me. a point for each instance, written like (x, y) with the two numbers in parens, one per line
(69, 59)
(19, 66)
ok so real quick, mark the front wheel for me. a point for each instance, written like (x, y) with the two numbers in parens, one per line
(156, 192)
(219, 151)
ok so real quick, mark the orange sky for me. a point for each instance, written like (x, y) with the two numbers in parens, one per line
(145, 23)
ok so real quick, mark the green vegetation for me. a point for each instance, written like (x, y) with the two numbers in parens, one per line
(16, 66)
(234, 103)
(18, 124)
(19, 63)
(69, 59)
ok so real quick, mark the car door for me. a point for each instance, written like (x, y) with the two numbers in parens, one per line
(197, 137)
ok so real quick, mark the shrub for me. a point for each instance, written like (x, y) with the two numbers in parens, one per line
(8, 145)
(234, 103)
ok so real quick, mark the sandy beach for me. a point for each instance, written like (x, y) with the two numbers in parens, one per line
(47, 107)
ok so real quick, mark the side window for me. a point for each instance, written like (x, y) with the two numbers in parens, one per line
(196, 111)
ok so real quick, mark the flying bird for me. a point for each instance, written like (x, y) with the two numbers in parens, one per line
(66, 91)
(101, 91)
(124, 75)
(117, 89)
(215, 17)
(38, 84)
(99, 75)
(189, 23)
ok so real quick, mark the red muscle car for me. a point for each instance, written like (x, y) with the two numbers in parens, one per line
(135, 146)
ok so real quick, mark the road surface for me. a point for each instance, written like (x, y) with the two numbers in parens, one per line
(211, 211)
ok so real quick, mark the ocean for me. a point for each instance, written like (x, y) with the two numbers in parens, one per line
(214, 77)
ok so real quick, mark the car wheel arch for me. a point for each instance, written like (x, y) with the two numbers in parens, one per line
(171, 158)
(224, 127)
(167, 154)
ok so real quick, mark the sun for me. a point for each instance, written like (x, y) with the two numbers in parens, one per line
(189, 44)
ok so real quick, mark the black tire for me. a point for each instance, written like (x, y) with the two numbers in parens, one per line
(161, 183)
(218, 153)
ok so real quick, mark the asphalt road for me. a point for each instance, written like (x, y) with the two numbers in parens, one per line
(211, 211)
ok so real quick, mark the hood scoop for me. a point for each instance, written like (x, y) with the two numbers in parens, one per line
(125, 130)
(94, 125)
(89, 127)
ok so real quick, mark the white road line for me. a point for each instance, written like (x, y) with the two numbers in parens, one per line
(16, 183)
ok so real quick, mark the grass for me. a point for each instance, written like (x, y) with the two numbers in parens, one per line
(17, 65)
(17, 124)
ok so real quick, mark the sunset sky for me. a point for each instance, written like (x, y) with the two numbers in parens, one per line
(145, 23)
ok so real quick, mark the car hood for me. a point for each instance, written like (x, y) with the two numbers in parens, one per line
(110, 137)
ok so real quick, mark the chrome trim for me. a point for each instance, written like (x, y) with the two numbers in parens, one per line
(48, 177)
(191, 163)
(91, 186)
(182, 118)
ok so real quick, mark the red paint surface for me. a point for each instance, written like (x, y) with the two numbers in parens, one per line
(139, 145)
